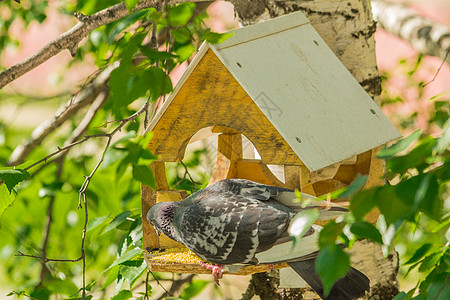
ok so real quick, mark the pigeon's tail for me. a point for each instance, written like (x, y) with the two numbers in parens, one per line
(353, 286)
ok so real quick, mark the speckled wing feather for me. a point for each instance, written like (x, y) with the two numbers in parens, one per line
(280, 198)
(226, 228)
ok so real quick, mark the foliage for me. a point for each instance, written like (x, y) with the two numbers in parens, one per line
(40, 197)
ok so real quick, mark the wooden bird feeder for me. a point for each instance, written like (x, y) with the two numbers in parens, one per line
(280, 85)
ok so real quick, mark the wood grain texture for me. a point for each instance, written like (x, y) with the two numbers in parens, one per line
(223, 103)
(149, 236)
(159, 170)
(256, 170)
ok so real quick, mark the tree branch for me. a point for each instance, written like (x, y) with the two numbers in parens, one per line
(71, 38)
(425, 35)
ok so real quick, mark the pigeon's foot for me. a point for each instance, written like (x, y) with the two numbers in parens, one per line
(217, 271)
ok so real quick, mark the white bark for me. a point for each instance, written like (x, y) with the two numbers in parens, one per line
(424, 35)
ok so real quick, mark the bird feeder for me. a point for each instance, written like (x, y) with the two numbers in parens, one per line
(280, 85)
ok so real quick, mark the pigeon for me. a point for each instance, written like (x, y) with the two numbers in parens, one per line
(237, 222)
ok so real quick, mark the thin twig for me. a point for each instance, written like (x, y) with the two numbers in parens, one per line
(48, 223)
(46, 259)
(439, 69)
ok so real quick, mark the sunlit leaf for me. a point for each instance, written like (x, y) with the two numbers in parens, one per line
(94, 223)
(126, 256)
(6, 198)
(399, 146)
(123, 295)
(302, 222)
(444, 140)
(130, 4)
(119, 219)
(184, 52)
(217, 38)
(179, 15)
(419, 254)
(132, 270)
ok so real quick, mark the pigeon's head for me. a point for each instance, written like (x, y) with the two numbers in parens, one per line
(161, 216)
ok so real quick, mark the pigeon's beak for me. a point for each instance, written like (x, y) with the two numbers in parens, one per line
(157, 231)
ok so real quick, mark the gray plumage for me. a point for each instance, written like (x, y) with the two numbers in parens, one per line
(238, 221)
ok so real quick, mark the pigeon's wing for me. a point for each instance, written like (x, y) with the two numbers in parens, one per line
(226, 228)
(286, 197)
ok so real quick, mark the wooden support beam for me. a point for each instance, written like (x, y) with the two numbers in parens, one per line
(159, 169)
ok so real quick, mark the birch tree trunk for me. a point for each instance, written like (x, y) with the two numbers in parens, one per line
(348, 29)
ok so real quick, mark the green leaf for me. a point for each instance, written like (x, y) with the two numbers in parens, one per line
(415, 158)
(419, 254)
(429, 262)
(301, 223)
(94, 223)
(132, 270)
(362, 203)
(12, 177)
(185, 52)
(439, 289)
(367, 231)
(125, 257)
(6, 198)
(112, 276)
(128, 83)
(179, 15)
(193, 289)
(216, 38)
(330, 233)
(119, 219)
(399, 146)
(444, 141)
(145, 175)
(123, 295)
(332, 263)
(355, 186)
(427, 197)
(124, 23)
(155, 55)
(392, 204)
(159, 82)
(182, 35)
(113, 155)
(401, 296)
(130, 4)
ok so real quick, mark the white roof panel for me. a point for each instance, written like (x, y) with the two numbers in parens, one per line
(305, 91)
